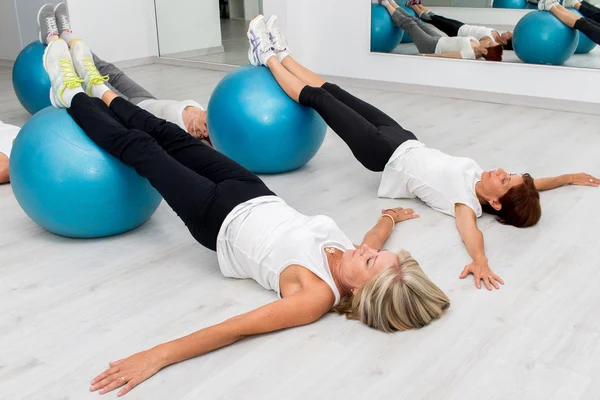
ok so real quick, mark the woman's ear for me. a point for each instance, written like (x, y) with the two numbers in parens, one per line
(496, 205)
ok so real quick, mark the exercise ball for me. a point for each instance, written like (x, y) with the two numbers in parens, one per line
(385, 37)
(405, 36)
(69, 186)
(510, 4)
(252, 121)
(540, 38)
(585, 43)
(30, 80)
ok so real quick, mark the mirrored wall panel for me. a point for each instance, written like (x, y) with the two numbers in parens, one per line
(205, 30)
(545, 32)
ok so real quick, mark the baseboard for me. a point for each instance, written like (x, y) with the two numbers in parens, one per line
(196, 53)
(6, 63)
(196, 64)
(136, 62)
(474, 95)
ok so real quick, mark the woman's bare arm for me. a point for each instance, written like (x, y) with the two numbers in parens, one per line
(568, 179)
(382, 230)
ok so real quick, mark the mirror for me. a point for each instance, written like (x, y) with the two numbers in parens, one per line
(210, 31)
(509, 31)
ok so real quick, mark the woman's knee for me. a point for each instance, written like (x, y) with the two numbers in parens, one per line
(311, 96)
(4, 174)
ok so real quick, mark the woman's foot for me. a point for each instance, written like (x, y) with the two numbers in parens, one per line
(261, 47)
(47, 24)
(59, 66)
(277, 38)
(61, 13)
(93, 82)
(546, 5)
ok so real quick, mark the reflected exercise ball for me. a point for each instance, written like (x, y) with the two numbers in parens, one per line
(255, 123)
(540, 38)
(585, 43)
(69, 186)
(510, 4)
(30, 80)
(385, 36)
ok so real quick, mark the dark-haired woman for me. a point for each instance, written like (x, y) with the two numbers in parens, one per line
(432, 42)
(454, 28)
(456, 186)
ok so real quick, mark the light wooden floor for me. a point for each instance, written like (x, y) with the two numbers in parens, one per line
(67, 307)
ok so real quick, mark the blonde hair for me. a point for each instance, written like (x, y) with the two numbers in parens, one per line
(400, 298)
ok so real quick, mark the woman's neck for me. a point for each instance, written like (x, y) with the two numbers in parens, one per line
(480, 197)
(335, 266)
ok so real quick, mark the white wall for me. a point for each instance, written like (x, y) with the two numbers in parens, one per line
(335, 41)
(27, 11)
(116, 30)
(188, 25)
(251, 9)
(10, 41)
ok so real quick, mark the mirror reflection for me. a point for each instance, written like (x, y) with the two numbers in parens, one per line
(517, 31)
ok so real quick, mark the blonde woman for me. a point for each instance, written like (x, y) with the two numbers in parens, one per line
(308, 261)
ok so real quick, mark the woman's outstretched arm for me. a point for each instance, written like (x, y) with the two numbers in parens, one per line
(302, 308)
(377, 236)
(581, 178)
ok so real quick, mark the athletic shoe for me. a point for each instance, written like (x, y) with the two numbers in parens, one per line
(59, 66)
(85, 67)
(261, 48)
(277, 38)
(47, 24)
(570, 3)
(61, 13)
(546, 5)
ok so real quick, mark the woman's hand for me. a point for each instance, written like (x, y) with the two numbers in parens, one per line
(400, 214)
(482, 272)
(582, 179)
(194, 120)
(128, 372)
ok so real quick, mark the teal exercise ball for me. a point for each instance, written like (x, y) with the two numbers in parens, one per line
(30, 80)
(510, 4)
(385, 37)
(585, 43)
(69, 186)
(540, 38)
(406, 37)
(252, 121)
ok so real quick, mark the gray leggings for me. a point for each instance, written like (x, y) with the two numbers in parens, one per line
(121, 83)
(425, 36)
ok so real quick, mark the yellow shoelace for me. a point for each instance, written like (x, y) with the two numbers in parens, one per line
(94, 75)
(70, 78)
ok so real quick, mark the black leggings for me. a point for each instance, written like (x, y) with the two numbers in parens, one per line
(200, 184)
(449, 26)
(590, 28)
(371, 134)
(590, 11)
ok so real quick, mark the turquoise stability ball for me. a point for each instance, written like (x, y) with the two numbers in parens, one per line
(252, 121)
(585, 43)
(69, 186)
(540, 38)
(30, 80)
(510, 4)
(406, 37)
(385, 37)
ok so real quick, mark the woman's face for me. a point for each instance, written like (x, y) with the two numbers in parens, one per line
(361, 265)
(497, 183)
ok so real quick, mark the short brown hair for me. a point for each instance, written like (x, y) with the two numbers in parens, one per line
(494, 53)
(520, 205)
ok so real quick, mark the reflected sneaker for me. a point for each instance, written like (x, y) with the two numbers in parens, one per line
(59, 66)
(61, 13)
(570, 3)
(277, 38)
(546, 5)
(47, 24)
(261, 48)
(93, 81)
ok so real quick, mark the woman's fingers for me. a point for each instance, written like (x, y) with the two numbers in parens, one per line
(116, 383)
(103, 375)
(130, 385)
(104, 383)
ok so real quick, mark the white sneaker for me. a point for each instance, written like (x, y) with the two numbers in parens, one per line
(570, 3)
(546, 5)
(84, 65)
(261, 48)
(59, 66)
(47, 24)
(277, 38)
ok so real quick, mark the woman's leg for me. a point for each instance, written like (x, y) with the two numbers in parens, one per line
(4, 175)
(201, 203)
(449, 26)
(424, 38)
(588, 10)
(590, 28)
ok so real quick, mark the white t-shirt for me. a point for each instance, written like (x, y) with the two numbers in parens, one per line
(170, 110)
(476, 31)
(440, 180)
(454, 44)
(263, 236)
(8, 133)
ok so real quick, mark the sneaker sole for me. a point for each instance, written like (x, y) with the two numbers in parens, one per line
(57, 24)
(46, 69)
(38, 21)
